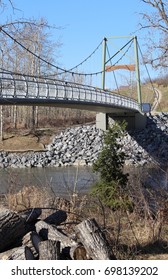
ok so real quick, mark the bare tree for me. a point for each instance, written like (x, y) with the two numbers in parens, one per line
(156, 24)
(33, 34)
(35, 37)
(4, 3)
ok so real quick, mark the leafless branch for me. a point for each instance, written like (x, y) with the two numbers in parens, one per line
(156, 21)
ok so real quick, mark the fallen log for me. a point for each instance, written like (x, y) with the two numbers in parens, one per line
(19, 253)
(49, 250)
(56, 218)
(30, 215)
(47, 231)
(94, 240)
(12, 227)
(32, 240)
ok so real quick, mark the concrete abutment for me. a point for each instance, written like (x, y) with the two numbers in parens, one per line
(134, 121)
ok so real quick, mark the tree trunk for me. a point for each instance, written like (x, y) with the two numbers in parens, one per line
(20, 253)
(49, 250)
(94, 240)
(32, 240)
(36, 117)
(11, 228)
(1, 123)
(15, 116)
(47, 231)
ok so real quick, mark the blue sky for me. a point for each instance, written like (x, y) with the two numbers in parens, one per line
(84, 23)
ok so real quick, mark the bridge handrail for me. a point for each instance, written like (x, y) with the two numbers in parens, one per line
(13, 81)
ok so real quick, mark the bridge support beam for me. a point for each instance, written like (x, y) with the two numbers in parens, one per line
(102, 121)
(134, 121)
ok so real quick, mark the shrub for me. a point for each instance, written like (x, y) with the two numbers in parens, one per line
(111, 189)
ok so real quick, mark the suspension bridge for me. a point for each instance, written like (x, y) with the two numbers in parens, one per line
(20, 89)
(26, 90)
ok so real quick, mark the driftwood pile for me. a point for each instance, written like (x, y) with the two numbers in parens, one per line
(24, 236)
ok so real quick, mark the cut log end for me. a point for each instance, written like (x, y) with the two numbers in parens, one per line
(49, 250)
(94, 240)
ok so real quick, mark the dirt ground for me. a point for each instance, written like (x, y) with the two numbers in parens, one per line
(27, 140)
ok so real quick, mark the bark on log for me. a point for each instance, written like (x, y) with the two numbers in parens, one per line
(30, 215)
(47, 231)
(32, 240)
(94, 240)
(56, 218)
(12, 227)
(49, 250)
(20, 253)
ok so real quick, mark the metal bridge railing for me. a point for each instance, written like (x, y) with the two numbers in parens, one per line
(14, 86)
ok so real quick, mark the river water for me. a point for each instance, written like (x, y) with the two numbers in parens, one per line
(61, 179)
(64, 180)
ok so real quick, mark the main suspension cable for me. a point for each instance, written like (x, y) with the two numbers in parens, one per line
(63, 71)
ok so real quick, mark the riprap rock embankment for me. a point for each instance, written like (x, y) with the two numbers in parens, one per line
(81, 145)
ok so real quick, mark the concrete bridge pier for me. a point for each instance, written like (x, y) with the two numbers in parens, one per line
(133, 120)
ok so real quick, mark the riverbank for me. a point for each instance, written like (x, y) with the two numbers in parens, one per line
(80, 145)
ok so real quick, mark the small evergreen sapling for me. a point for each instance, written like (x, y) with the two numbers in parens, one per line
(111, 188)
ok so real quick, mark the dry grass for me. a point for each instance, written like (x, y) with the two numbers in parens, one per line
(27, 140)
(163, 106)
(21, 143)
(44, 198)
(28, 197)
(130, 235)
(148, 95)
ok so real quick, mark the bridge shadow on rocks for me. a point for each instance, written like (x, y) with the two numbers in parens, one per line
(150, 144)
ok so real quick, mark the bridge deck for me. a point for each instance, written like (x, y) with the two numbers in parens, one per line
(27, 90)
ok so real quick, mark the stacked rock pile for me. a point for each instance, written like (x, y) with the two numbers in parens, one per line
(149, 144)
(81, 146)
